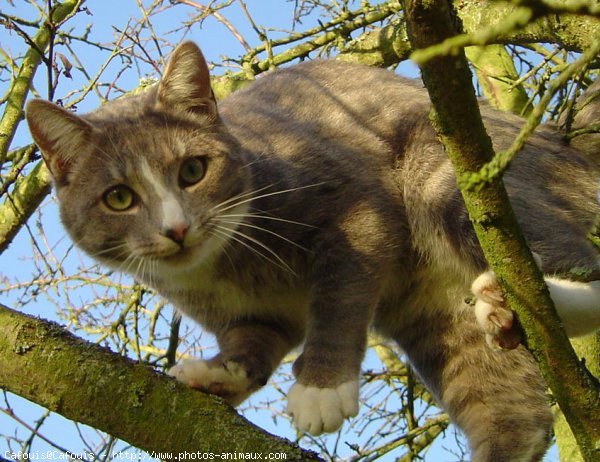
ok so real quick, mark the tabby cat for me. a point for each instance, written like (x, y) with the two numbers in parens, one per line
(309, 206)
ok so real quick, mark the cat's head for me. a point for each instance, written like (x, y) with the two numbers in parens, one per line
(141, 179)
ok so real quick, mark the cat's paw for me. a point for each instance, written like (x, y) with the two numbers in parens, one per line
(322, 410)
(228, 380)
(493, 316)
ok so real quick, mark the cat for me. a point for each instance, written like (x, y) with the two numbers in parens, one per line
(307, 207)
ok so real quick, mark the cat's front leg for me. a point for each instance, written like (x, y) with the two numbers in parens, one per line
(327, 371)
(318, 410)
(227, 379)
(249, 352)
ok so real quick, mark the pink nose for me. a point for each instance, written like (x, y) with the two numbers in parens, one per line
(177, 233)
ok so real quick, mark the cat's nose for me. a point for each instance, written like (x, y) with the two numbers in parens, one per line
(177, 233)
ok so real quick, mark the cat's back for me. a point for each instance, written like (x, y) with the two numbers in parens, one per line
(359, 106)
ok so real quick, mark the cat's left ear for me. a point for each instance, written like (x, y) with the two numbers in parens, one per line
(185, 83)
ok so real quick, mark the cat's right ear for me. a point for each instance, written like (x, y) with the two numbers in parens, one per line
(59, 134)
(185, 84)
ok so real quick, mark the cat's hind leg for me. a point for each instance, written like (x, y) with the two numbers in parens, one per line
(497, 398)
(577, 305)
(493, 316)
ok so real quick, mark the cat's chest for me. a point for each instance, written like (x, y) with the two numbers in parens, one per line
(214, 300)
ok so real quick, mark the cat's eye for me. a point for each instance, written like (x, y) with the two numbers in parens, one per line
(119, 198)
(191, 171)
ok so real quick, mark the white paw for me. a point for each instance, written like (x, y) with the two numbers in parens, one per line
(317, 410)
(227, 380)
(492, 315)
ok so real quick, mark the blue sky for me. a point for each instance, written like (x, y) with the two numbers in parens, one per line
(216, 41)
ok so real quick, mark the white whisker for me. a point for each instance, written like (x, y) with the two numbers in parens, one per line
(248, 225)
(139, 266)
(153, 271)
(259, 158)
(265, 217)
(229, 233)
(126, 265)
(239, 196)
(122, 248)
(274, 193)
(225, 242)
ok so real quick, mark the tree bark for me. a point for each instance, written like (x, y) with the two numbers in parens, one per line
(587, 348)
(43, 363)
(28, 193)
(497, 75)
(458, 123)
(493, 65)
(389, 44)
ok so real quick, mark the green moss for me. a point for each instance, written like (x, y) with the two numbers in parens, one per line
(136, 395)
(22, 348)
(226, 84)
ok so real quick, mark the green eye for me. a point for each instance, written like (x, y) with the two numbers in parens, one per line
(119, 198)
(192, 171)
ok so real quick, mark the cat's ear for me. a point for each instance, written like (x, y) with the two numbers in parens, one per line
(60, 135)
(185, 83)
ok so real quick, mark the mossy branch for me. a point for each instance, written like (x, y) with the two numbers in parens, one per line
(45, 364)
(502, 159)
(589, 349)
(526, 17)
(458, 124)
(370, 16)
(30, 190)
(483, 22)
(498, 77)
(22, 201)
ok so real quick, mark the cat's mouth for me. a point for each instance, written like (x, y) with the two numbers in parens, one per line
(207, 240)
(193, 253)
(185, 256)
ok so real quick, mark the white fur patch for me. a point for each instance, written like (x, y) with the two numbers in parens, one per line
(172, 214)
(577, 304)
(228, 380)
(317, 410)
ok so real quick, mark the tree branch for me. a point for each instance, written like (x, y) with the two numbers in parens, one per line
(459, 126)
(22, 201)
(497, 77)
(81, 381)
(480, 21)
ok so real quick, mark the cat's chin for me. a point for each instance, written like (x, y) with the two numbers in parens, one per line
(185, 259)
(191, 257)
